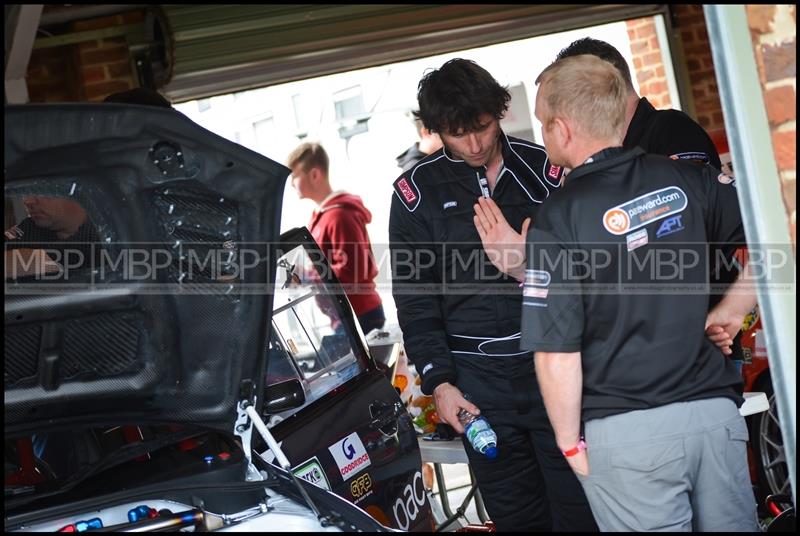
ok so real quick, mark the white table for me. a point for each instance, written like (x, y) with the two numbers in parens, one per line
(442, 451)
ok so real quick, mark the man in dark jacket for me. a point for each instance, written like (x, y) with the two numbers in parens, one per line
(461, 317)
(339, 226)
(668, 132)
(429, 142)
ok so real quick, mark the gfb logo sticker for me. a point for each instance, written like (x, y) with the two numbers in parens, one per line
(350, 455)
(536, 283)
(644, 209)
(361, 488)
(311, 471)
(407, 508)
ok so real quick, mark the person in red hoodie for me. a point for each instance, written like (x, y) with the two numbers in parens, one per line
(339, 225)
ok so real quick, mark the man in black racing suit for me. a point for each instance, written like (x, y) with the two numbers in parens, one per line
(459, 315)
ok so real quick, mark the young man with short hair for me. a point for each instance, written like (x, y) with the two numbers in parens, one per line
(339, 226)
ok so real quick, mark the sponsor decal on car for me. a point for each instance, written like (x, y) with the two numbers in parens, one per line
(311, 470)
(645, 209)
(350, 455)
(361, 488)
(407, 507)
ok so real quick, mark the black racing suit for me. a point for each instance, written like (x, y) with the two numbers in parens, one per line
(461, 324)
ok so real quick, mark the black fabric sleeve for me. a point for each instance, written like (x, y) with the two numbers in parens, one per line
(417, 294)
(724, 229)
(724, 219)
(552, 303)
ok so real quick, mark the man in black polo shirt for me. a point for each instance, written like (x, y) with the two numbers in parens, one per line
(460, 317)
(668, 132)
(618, 332)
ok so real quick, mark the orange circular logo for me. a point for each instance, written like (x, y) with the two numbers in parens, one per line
(616, 221)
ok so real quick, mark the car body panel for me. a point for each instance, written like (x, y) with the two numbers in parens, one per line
(109, 158)
(358, 439)
(124, 356)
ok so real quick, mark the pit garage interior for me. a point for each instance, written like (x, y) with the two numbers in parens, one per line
(733, 68)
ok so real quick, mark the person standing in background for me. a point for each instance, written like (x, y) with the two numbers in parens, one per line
(429, 142)
(339, 225)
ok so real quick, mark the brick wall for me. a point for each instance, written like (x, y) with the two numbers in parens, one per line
(773, 31)
(87, 71)
(690, 27)
(52, 75)
(648, 65)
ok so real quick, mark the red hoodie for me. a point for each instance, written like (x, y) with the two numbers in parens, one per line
(339, 226)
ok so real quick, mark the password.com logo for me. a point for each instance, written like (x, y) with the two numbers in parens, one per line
(616, 221)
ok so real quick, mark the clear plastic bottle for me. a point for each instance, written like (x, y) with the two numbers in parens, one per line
(479, 433)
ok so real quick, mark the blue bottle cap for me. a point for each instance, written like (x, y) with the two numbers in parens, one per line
(491, 453)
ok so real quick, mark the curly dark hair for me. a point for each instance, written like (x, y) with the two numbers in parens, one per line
(602, 50)
(454, 97)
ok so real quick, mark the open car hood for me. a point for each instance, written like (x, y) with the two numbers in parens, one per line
(180, 337)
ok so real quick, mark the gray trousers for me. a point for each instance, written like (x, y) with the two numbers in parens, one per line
(679, 467)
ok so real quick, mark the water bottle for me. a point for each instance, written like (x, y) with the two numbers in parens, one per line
(479, 433)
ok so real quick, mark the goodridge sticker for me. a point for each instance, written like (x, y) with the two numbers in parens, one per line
(350, 455)
(645, 209)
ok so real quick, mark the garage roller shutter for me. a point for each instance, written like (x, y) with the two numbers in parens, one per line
(219, 49)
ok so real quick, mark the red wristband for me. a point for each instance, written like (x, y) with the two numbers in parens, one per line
(580, 447)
